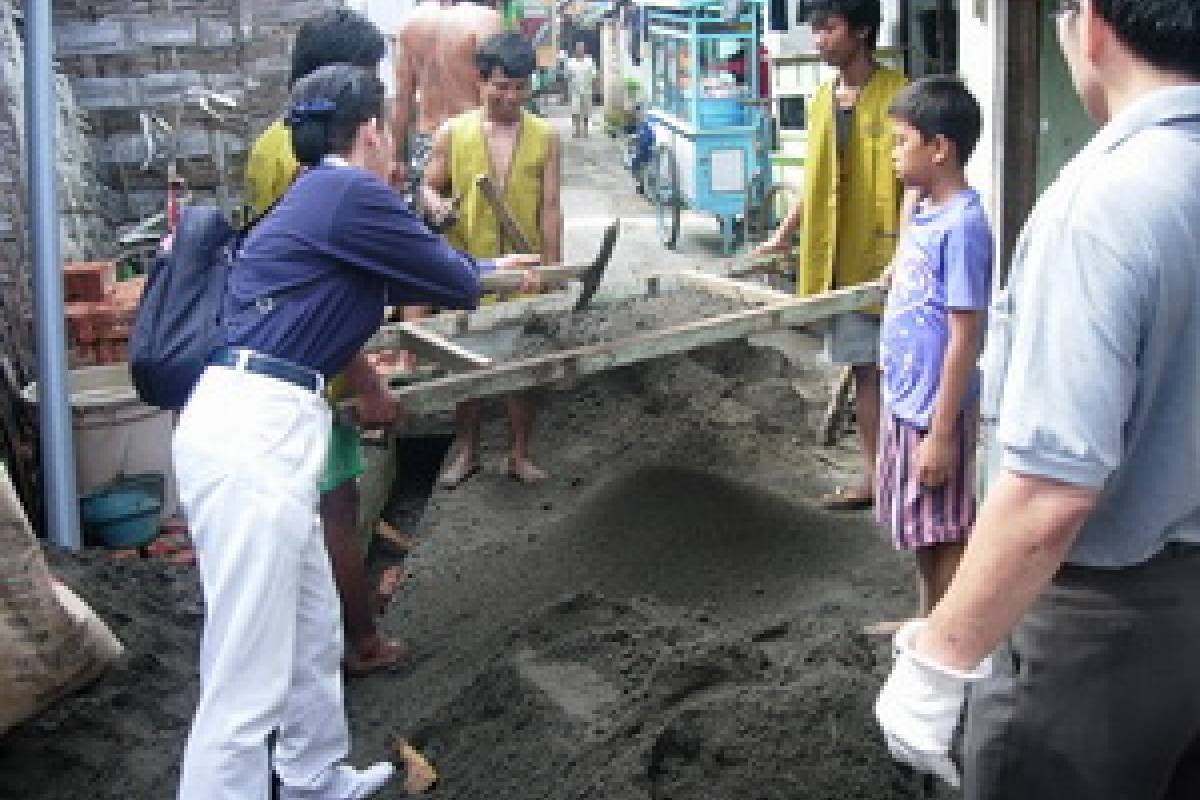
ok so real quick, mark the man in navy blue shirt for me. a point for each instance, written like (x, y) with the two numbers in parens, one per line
(306, 292)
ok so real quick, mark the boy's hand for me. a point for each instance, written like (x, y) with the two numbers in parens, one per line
(935, 459)
(885, 278)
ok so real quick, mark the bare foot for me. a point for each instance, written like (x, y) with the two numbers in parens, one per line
(463, 464)
(524, 470)
(373, 654)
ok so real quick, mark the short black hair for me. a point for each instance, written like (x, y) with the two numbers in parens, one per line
(511, 52)
(860, 14)
(941, 104)
(1165, 33)
(337, 36)
(327, 107)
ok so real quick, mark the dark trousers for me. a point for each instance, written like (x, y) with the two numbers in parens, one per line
(1097, 694)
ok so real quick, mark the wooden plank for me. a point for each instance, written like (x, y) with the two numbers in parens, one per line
(737, 290)
(447, 392)
(432, 345)
(485, 318)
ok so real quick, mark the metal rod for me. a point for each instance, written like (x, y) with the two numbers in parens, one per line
(54, 412)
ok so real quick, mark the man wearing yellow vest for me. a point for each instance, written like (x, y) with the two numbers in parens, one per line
(520, 152)
(850, 207)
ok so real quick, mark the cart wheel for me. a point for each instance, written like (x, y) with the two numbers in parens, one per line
(663, 190)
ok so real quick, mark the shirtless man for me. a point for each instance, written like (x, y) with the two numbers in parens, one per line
(435, 59)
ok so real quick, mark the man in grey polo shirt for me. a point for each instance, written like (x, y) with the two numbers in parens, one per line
(1075, 614)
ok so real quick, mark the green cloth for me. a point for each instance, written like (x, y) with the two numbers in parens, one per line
(344, 461)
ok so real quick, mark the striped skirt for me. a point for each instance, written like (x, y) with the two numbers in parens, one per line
(916, 515)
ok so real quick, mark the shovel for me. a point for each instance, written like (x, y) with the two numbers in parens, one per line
(506, 281)
(589, 275)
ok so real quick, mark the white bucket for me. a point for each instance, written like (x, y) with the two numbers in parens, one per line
(115, 432)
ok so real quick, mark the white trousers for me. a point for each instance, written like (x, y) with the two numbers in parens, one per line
(248, 453)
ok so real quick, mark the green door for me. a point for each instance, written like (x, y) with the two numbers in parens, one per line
(1063, 124)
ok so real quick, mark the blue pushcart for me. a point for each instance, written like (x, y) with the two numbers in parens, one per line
(711, 128)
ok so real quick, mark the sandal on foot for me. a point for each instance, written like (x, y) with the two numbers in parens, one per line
(842, 499)
(384, 654)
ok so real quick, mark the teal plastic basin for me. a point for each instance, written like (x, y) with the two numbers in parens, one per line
(126, 512)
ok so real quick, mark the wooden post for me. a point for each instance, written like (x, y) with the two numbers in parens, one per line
(1021, 103)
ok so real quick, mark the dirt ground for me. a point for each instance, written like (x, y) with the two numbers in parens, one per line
(668, 617)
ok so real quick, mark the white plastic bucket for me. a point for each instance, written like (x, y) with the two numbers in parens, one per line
(115, 432)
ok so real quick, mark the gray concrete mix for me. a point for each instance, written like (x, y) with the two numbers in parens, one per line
(668, 616)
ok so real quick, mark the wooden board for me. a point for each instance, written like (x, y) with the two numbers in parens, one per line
(748, 293)
(444, 393)
(456, 323)
(432, 345)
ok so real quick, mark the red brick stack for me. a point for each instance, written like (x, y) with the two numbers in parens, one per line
(100, 313)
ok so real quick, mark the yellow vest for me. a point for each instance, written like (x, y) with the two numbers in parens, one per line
(477, 232)
(851, 225)
(270, 168)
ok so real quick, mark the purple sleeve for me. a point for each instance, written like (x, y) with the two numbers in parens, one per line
(967, 261)
(376, 231)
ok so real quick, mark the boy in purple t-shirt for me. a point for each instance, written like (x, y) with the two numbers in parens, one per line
(931, 335)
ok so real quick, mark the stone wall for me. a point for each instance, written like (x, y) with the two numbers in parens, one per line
(86, 232)
(145, 72)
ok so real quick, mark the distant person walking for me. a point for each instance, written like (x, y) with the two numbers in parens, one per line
(581, 78)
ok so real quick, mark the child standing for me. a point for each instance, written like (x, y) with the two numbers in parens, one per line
(931, 335)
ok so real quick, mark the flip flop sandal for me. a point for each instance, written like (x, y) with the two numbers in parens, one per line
(841, 500)
(389, 655)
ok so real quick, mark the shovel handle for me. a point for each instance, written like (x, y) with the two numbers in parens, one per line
(509, 280)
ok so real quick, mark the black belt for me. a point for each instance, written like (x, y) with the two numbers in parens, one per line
(261, 364)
